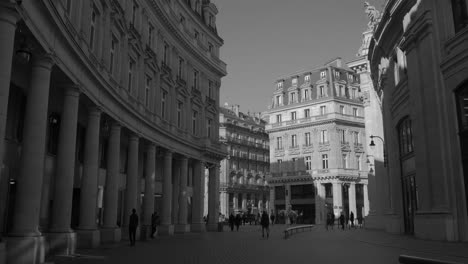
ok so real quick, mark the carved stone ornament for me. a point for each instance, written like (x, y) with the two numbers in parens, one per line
(373, 15)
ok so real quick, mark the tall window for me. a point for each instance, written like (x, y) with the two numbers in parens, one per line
(356, 137)
(341, 132)
(134, 12)
(342, 109)
(323, 74)
(278, 118)
(323, 110)
(292, 98)
(345, 161)
(112, 54)
(306, 94)
(358, 162)
(294, 81)
(308, 162)
(323, 136)
(324, 161)
(147, 91)
(279, 143)
(343, 90)
(208, 127)
(354, 93)
(180, 69)
(279, 100)
(460, 14)
(307, 138)
(293, 115)
(307, 78)
(294, 141)
(180, 106)
(321, 91)
(68, 6)
(279, 85)
(131, 66)
(195, 79)
(194, 122)
(405, 136)
(182, 20)
(196, 34)
(92, 33)
(150, 34)
(163, 104)
(337, 74)
(355, 112)
(166, 54)
(210, 89)
(306, 113)
(210, 48)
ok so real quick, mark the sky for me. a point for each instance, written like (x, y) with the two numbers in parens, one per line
(266, 39)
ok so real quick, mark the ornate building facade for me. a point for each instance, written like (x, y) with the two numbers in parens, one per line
(317, 157)
(243, 185)
(419, 63)
(105, 106)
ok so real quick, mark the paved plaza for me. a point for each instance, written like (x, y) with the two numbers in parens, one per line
(247, 246)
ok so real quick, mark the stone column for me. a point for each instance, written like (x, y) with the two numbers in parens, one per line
(131, 193)
(213, 198)
(182, 226)
(366, 200)
(25, 234)
(244, 201)
(320, 204)
(110, 232)
(271, 203)
(88, 235)
(198, 225)
(148, 200)
(352, 199)
(166, 227)
(62, 240)
(337, 199)
(235, 204)
(175, 192)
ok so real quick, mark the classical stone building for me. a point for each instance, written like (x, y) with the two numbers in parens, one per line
(317, 157)
(243, 185)
(419, 64)
(105, 106)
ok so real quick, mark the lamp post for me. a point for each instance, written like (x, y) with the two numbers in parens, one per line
(372, 145)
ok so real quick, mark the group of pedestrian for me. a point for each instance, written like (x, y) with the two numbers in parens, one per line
(234, 221)
(133, 225)
(343, 221)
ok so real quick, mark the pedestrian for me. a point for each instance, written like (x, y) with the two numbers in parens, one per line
(132, 227)
(231, 221)
(360, 221)
(351, 219)
(265, 222)
(272, 218)
(238, 221)
(332, 220)
(342, 220)
(154, 223)
(327, 222)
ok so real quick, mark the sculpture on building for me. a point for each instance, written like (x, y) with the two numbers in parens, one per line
(373, 15)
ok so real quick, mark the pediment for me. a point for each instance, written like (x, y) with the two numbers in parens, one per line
(211, 109)
(196, 100)
(182, 91)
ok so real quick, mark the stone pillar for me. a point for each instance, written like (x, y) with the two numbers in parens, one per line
(88, 235)
(182, 226)
(198, 225)
(175, 192)
(271, 203)
(148, 200)
(26, 244)
(62, 240)
(131, 193)
(166, 227)
(110, 232)
(337, 199)
(366, 200)
(352, 199)
(244, 201)
(320, 214)
(213, 198)
(235, 203)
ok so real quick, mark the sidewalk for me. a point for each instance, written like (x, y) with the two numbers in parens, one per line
(247, 246)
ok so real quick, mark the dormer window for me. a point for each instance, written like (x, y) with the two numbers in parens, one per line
(279, 85)
(323, 74)
(278, 100)
(350, 77)
(294, 81)
(292, 97)
(337, 74)
(307, 78)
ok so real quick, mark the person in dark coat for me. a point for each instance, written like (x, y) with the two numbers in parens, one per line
(342, 221)
(272, 218)
(332, 220)
(231, 221)
(265, 222)
(154, 223)
(351, 218)
(132, 227)
(238, 221)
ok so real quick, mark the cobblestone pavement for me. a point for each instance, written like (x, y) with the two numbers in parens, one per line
(248, 246)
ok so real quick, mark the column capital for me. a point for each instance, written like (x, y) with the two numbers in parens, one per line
(94, 111)
(44, 60)
(133, 137)
(151, 147)
(115, 126)
(8, 13)
(71, 90)
(168, 153)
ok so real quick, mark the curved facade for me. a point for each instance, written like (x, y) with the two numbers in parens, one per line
(419, 64)
(105, 105)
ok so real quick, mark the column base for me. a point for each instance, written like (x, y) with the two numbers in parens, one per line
(435, 226)
(181, 228)
(61, 243)
(166, 230)
(2, 253)
(88, 238)
(25, 250)
(214, 228)
(198, 227)
(110, 235)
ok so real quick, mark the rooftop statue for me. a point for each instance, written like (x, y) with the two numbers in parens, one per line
(373, 15)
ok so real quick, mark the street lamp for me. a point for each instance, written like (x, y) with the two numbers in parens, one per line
(372, 146)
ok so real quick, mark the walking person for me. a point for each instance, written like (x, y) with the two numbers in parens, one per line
(231, 221)
(351, 219)
(332, 220)
(132, 227)
(327, 222)
(265, 222)
(272, 218)
(154, 223)
(238, 221)
(342, 220)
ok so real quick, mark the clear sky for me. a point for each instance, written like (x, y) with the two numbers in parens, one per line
(265, 39)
